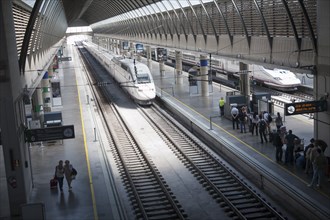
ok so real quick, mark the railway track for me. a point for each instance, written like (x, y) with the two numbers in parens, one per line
(236, 197)
(148, 192)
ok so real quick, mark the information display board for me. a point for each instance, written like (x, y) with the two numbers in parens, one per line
(296, 108)
(50, 134)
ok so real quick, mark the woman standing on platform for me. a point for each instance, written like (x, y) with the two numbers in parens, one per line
(278, 121)
(68, 173)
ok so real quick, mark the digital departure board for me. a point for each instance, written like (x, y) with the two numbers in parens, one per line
(296, 108)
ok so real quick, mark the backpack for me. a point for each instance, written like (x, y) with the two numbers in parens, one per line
(74, 172)
(269, 118)
(262, 124)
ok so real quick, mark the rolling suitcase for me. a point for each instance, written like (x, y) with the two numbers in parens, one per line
(53, 183)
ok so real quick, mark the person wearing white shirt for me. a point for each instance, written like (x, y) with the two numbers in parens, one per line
(234, 115)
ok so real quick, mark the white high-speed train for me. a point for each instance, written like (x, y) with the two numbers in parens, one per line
(280, 79)
(134, 77)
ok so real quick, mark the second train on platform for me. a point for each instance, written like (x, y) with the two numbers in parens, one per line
(134, 77)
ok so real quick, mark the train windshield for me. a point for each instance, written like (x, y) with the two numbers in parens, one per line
(143, 78)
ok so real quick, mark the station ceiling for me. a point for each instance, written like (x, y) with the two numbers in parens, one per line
(87, 12)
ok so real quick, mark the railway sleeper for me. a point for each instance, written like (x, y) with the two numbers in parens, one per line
(210, 172)
(228, 185)
(220, 178)
(221, 181)
(163, 214)
(221, 172)
(147, 200)
(136, 164)
(213, 165)
(132, 160)
(150, 183)
(260, 215)
(159, 208)
(200, 157)
(248, 205)
(172, 216)
(202, 160)
(142, 175)
(151, 194)
(147, 187)
(131, 156)
(151, 191)
(242, 201)
(140, 172)
(159, 202)
(237, 193)
(188, 150)
(144, 179)
(226, 190)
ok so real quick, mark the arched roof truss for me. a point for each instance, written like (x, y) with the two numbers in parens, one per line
(282, 31)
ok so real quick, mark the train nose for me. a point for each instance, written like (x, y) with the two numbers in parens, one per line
(147, 92)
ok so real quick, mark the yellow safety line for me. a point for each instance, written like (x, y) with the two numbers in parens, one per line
(87, 157)
(246, 144)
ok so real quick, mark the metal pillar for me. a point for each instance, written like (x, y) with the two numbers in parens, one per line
(12, 120)
(204, 75)
(178, 67)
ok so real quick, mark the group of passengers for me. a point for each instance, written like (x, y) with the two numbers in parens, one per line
(313, 158)
(257, 123)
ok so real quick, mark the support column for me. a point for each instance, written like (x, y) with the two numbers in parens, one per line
(117, 49)
(111, 45)
(162, 67)
(131, 50)
(37, 105)
(148, 50)
(46, 95)
(204, 75)
(178, 67)
(18, 183)
(108, 43)
(244, 82)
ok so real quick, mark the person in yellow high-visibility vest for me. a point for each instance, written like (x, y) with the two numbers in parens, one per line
(222, 106)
